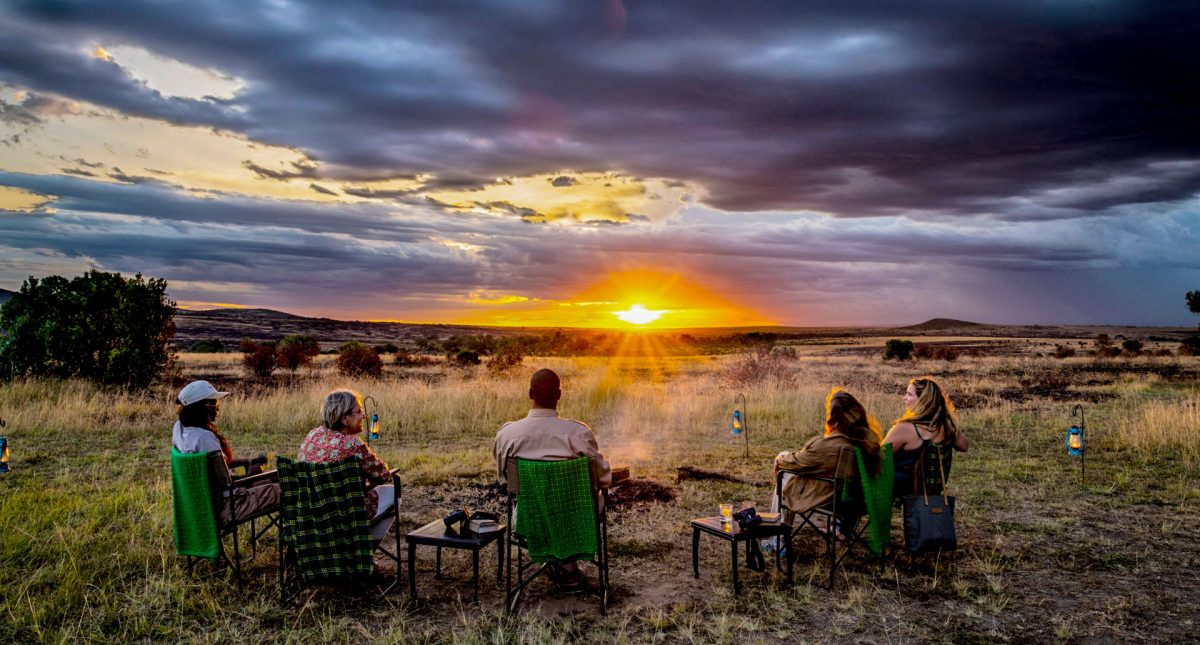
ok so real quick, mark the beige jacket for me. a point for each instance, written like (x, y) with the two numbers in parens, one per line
(545, 435)
(818, 458)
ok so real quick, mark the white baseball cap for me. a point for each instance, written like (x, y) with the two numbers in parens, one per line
(198, 391)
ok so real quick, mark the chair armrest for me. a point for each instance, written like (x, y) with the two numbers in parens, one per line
(267, 476)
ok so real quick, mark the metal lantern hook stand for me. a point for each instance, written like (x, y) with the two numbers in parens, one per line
(744, 418)
(373, 420)
(3, 451)
(1078, 411)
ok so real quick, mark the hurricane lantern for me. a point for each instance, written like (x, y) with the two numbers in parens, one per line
(737, 422)
(1074, 441)
(373, 420)
(4, 455)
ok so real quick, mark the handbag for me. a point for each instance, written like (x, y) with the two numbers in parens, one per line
(929, 522)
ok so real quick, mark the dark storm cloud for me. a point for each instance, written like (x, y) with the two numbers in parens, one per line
(872, 109)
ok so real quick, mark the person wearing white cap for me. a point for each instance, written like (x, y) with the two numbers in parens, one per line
(196, 432)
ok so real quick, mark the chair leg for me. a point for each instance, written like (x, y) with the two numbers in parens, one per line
(237, 559)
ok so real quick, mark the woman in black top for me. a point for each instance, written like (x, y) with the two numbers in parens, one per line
(928, 420)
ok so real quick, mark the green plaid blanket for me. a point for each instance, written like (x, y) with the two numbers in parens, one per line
(929, 470)
(877, 498)
(195, 521)
(324, 520)
(556, 512)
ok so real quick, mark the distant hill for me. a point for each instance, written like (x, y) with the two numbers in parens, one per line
(245, 314)
(5, 295)
(936, 324)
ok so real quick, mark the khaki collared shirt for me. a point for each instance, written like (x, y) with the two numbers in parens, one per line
(546, 436)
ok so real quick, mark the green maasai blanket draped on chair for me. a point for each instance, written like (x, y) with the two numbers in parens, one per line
(195, 520)
(877, 498)
(324, 520)
(556, 512)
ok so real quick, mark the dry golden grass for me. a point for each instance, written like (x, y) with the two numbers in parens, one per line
(85, 516)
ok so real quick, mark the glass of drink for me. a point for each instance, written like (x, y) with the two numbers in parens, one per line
(726, 513)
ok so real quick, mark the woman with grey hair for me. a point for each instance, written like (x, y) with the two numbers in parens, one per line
(335, 439)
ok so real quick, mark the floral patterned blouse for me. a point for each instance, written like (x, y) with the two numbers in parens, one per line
(325, 446)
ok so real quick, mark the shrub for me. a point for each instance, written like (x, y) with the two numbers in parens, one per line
(466, 357)
(759, 365)
(99, 326)
(507, 357)
(1134, 347)
(296, 351)
(207, 346)
(1190, 346)
(935, 353)
(1102, 341)
(1063, 351)
(1108, 352)
(900, 350)
(356, 359)
(257, 359)
(387, 348)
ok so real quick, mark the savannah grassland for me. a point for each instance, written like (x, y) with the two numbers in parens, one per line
(86, 551)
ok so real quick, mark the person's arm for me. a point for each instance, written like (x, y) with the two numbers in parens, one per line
(961, 443)
(809, 460)
(583, 442)
(374, 468)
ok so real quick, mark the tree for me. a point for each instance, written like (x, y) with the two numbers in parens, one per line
(1132, 346)
(466, 358)
(296, 351)
(357, 359)
(1193, 301)
(900, 350)
(100, 326)
(258, 359)
(508, 356)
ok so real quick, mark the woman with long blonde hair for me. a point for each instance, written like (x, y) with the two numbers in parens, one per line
(928, 420)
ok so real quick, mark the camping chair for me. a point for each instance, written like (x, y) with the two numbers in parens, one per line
(562, 518)
(847, 503)
(206, 510)
(325, 534)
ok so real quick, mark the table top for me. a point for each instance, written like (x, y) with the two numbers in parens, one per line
(731, 531)
(435, 533)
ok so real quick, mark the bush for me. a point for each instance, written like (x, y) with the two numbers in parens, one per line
(759, 365)
(1108, 352)
(99, 326)
(258, 360)
(900, 350)
(934, 352)
(1134, 347)
(296, 351)
(356, 359)
(1063, 351)
(507, 357)
(1102, 341)
(208, 346)
(1190, 346)
(466, 357)
(387, 348)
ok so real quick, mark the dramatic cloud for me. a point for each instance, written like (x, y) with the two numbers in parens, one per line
(878, 162)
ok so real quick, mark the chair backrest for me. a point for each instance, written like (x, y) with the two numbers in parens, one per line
(194, 513)
(324, 519)
(510, 475)
(558, 514)
(877, 498)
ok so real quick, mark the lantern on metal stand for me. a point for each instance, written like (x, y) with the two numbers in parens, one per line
(741, 423)
(373, 420)
(1075, 440)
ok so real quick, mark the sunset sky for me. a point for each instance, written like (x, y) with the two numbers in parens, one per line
(528, 162)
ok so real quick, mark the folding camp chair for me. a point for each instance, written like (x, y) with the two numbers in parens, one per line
(847, 504)
(562, 518)
(325, 533)
(208, 507)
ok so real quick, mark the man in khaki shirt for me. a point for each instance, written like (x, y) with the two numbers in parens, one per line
(546, 436)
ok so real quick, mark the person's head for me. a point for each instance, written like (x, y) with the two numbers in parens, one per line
(342, 411)
(544, 389)
(199, 405)
(844, 415)
(926, 403)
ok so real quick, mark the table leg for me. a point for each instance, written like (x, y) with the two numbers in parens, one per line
(737, 584)
(695, 553)
(437, 572)
(475, 574)
(499, 559)
(412, 569)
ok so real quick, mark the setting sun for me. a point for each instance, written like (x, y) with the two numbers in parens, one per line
(639, 315)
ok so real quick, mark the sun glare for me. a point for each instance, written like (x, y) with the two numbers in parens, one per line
(639, 315)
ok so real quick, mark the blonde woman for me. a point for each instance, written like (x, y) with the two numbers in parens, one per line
(928, 420)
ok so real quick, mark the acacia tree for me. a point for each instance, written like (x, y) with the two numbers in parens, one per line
(99, 326)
